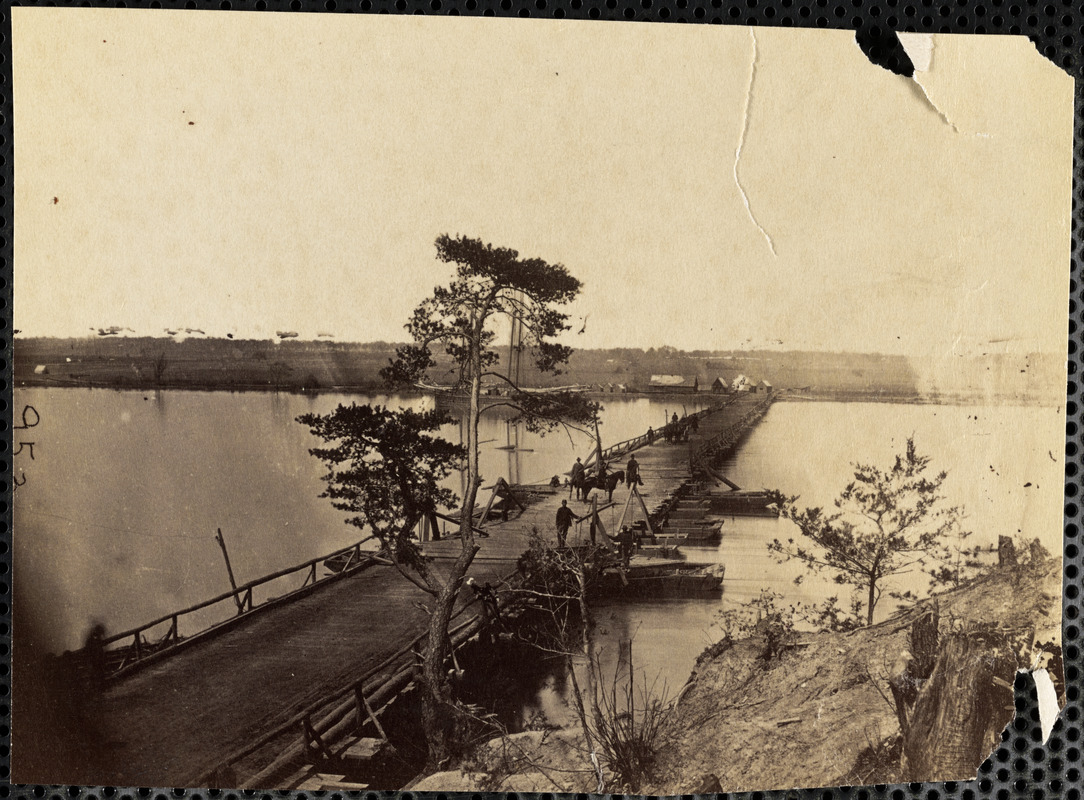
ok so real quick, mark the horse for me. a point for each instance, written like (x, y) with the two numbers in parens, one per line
(609, 482)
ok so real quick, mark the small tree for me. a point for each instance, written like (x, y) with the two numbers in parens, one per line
(624, 730)
(956, 562)
(278, 371)
(386, 469)
(490, 283)
(765, 617)
(159, 366)
(886, 522)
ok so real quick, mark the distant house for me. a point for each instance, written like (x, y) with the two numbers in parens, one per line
(679, 384)
(719, 386)
(762, 388)
(741, 384)
(622, 388)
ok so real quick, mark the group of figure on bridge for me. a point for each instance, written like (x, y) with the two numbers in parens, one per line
(583, 481)
(678, 430)
(625, 540)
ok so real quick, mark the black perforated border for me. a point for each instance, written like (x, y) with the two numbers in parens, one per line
(1020, 768)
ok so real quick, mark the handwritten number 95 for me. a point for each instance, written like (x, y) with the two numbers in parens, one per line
(31, 419)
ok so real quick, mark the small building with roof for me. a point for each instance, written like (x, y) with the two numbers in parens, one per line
(674, 384)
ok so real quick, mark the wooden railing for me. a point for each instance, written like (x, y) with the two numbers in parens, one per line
(700, 459)
(326, 721)
(122, 659)
(627, 446)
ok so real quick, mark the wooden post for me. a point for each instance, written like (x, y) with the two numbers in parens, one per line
(363, 705)
(1006, 552)
(314, 742)
(625, 510)
(596, 521)
(229, 570)
(489, 505)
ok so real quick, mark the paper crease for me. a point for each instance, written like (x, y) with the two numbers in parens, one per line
(741, 143)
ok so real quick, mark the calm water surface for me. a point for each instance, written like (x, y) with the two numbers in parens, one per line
(117, 517)
(1001, 471)
(116, 520)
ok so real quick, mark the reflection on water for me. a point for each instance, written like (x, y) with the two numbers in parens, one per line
(117, 519)
(116, 522)
(1002, 472)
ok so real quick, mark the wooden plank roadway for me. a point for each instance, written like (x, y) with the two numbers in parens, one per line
(174, 720)
(663, 467)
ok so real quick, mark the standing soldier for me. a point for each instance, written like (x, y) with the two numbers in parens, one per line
(576, 478)
(564, 522)
(625, 541)
(632, 472)
(603, 472)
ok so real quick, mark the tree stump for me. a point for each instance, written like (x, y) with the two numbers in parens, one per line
(1006, 552)
(959, 711)
(924, 641)
(915, 666)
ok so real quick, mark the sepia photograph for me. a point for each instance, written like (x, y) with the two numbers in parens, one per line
(511, 405)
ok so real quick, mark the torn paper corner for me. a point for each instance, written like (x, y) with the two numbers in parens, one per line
(919, 48)
(1048, 701)
(1049, 709)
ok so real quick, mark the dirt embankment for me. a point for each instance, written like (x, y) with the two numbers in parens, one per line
(822, 712)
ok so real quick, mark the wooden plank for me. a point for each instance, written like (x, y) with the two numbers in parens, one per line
(252, 678)
(318, 782)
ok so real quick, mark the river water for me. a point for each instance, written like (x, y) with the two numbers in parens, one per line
(125, 491)
(117, 517)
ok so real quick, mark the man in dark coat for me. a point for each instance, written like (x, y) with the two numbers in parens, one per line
(632, 472)
(565, 518)
(576, 478)
(626, 542)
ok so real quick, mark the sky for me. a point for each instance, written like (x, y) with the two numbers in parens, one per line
(713, 187)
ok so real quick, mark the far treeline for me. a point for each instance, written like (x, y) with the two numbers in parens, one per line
(299, 365)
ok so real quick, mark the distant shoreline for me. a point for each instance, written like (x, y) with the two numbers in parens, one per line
(308, 367)
(782, 396)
